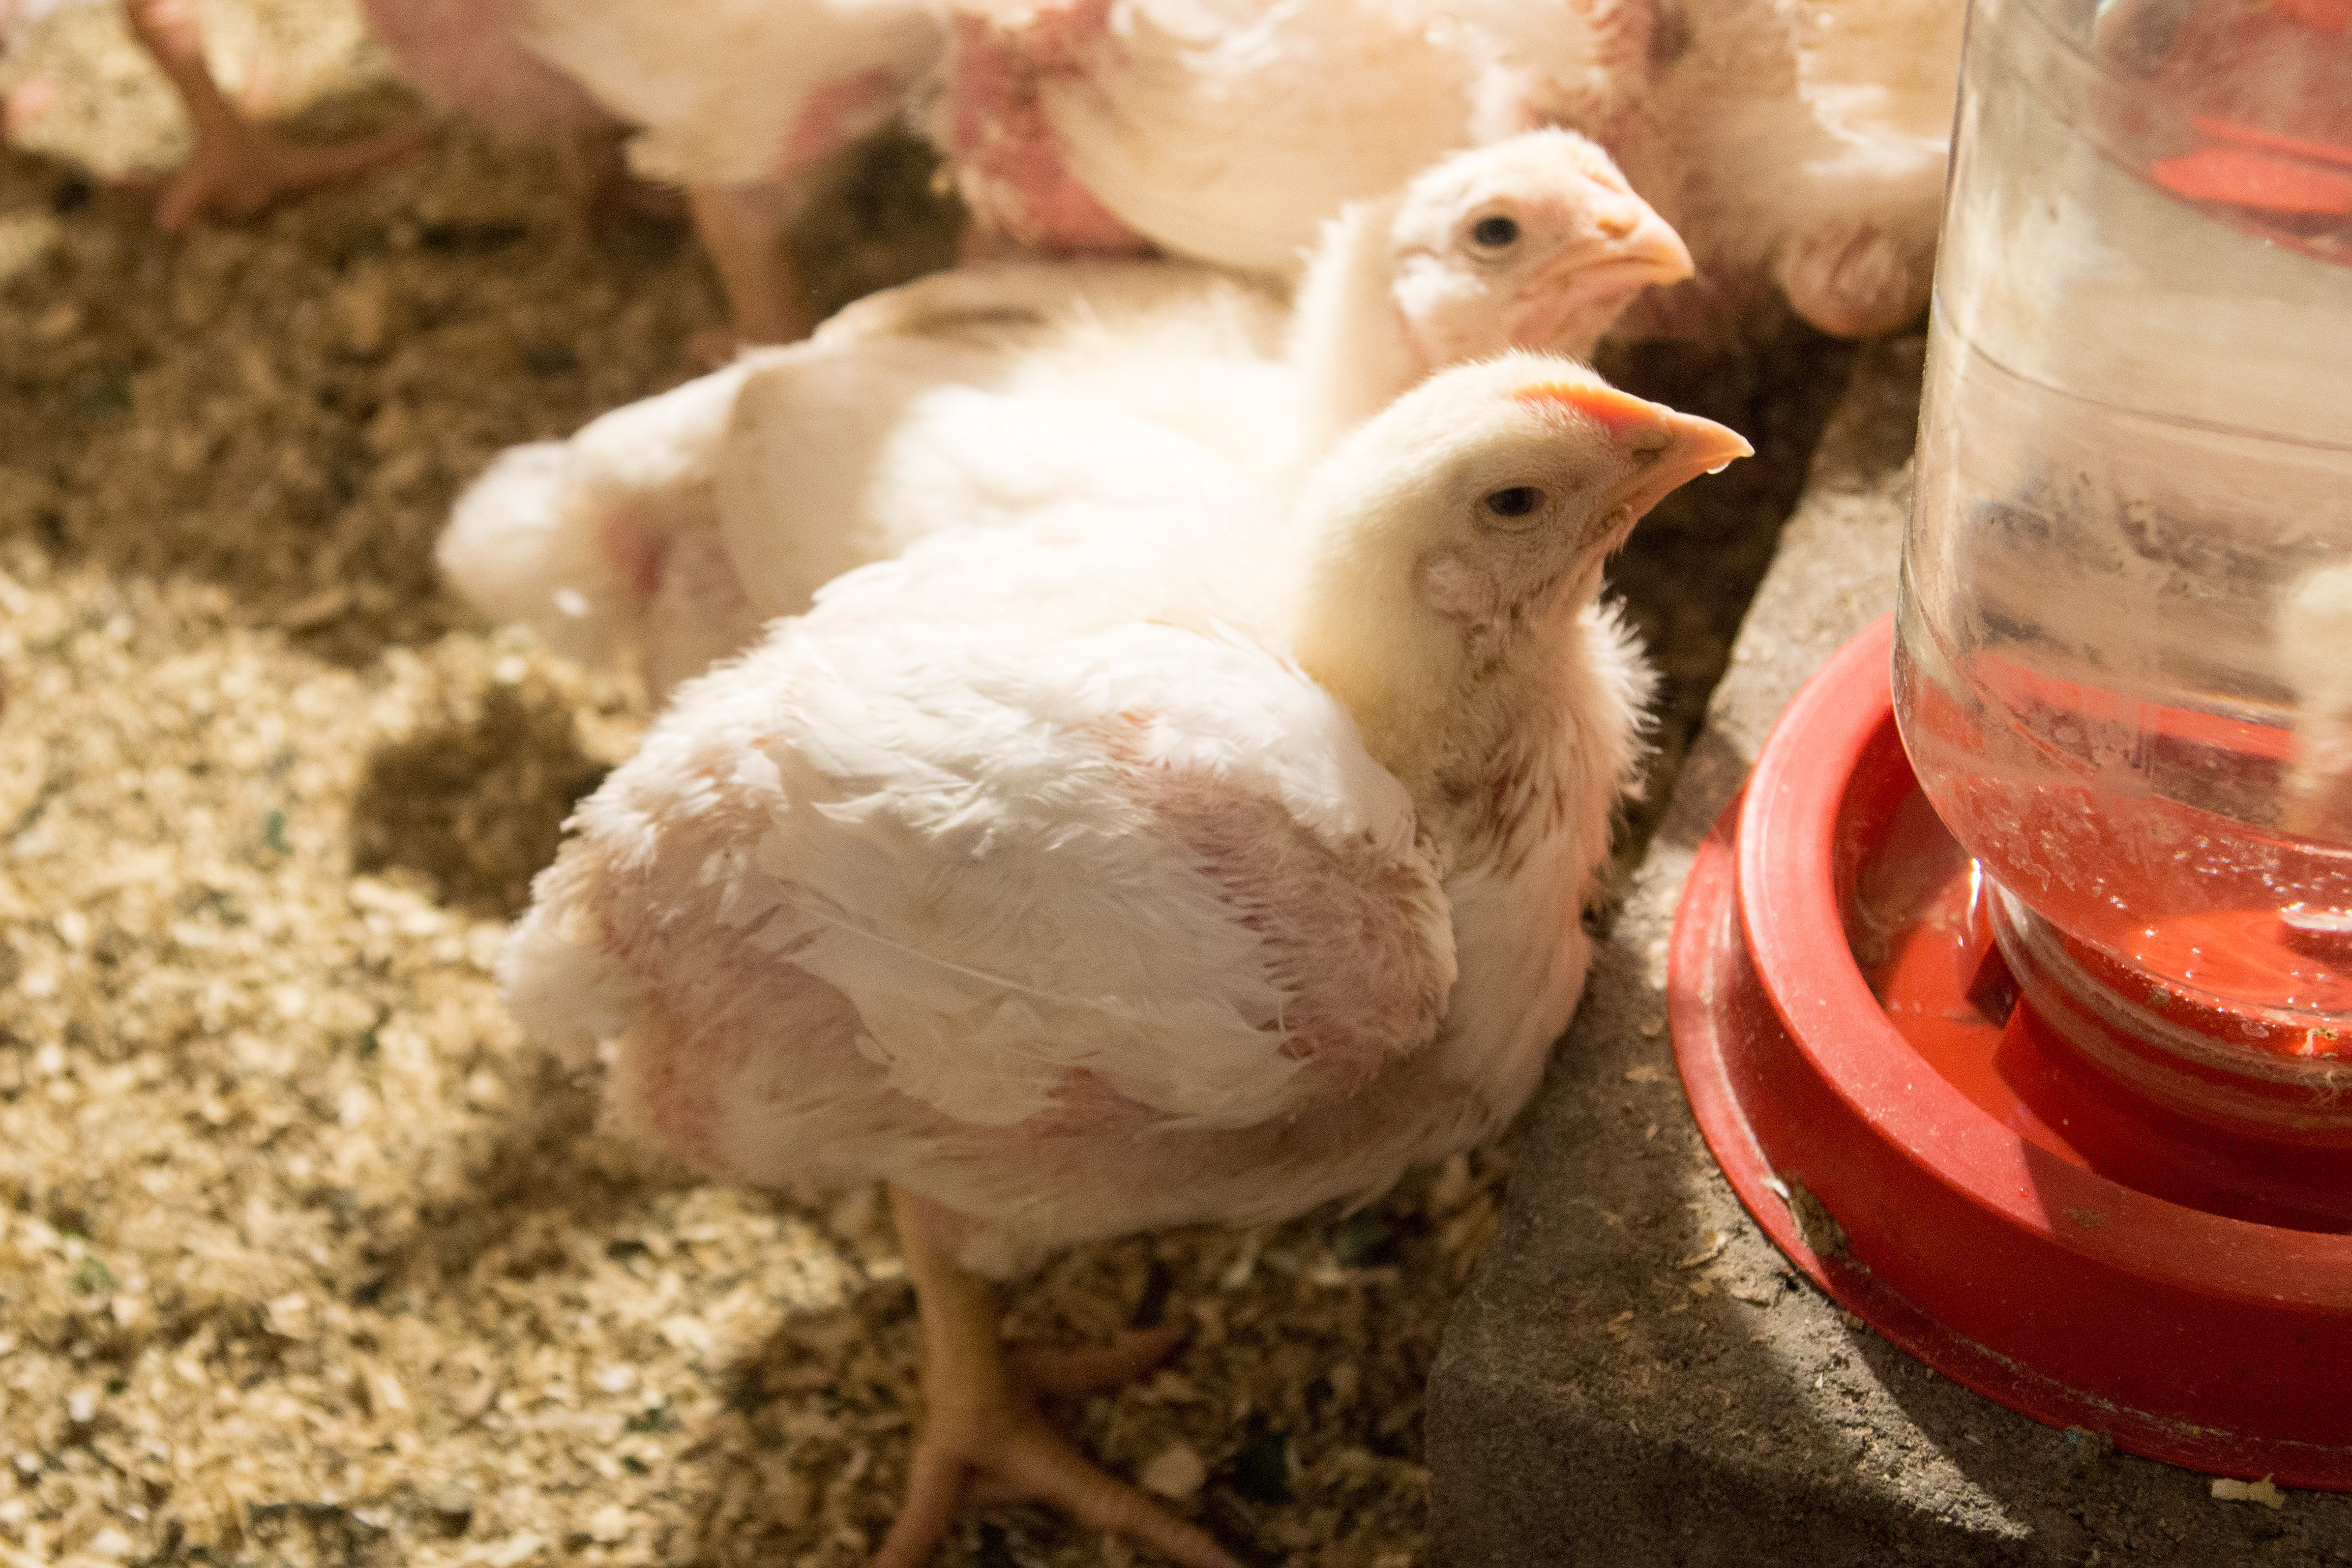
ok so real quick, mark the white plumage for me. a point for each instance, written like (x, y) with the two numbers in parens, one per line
(2312, 642)
(1096, 874)
(972, 397)
(1801, 143)
(733, 92)
(1155, 824)
(1227, 130)
(1794, 142)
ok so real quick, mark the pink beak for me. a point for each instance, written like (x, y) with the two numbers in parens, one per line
(1667, 447)
(1637, 250)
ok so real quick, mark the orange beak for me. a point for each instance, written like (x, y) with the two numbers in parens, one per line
(1667, 448)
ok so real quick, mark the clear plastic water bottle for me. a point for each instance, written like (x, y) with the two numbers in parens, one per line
(2123, 659)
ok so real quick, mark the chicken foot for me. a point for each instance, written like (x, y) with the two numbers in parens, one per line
(983, 1440)
(238, 167)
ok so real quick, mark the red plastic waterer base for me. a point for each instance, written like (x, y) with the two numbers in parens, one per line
(1921, 1159)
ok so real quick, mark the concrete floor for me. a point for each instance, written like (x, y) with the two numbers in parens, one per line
(1635, 1376)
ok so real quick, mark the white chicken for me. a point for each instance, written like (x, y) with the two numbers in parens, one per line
(739, 101)
(1801, 143)
(1076, 879)
(1792, 142)
(960, 400)
(2314, 650)
(1218, 130)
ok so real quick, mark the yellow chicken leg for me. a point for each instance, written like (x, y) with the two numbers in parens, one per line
(983, 1441)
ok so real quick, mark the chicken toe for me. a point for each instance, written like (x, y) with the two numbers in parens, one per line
(983, 1441)
(238, 167)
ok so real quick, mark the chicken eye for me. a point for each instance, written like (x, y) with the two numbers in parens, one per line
(1516, 501)
(1495, 233)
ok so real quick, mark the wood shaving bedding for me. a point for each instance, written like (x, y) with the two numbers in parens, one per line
(306, 1256)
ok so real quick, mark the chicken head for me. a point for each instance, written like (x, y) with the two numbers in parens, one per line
(1456, 531)
(1533, 242)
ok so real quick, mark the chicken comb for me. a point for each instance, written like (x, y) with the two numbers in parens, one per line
(1616, 412)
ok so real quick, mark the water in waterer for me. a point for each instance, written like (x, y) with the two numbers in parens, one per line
(2124, 651)
(2014, 996)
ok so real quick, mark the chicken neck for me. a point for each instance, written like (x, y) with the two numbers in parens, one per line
(1443, 703)
(1348, 339)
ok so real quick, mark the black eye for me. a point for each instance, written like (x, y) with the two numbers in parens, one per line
(1495, 233)
(1516, 502)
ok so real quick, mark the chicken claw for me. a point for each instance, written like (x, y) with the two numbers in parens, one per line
(238, 167)
(983, 1441)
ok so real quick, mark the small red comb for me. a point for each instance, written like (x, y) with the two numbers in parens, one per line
(1616, 412)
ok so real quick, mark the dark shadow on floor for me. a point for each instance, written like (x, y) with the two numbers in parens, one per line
(478, 804)
(1690, 569)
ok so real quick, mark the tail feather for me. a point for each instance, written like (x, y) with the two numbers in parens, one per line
(518, 552)
(554, 973)
(569, 536)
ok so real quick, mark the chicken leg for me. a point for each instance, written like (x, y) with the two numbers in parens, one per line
(743, 229)
(982, 1438)
(238, 167)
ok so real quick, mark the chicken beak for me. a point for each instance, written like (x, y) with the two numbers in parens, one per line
(1665, 448)
(1636, 249)
(1669, 450)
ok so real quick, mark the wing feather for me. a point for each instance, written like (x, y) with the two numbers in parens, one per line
(1152, 875)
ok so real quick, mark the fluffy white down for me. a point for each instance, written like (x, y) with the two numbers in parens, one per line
(921, 890)
(721, 86)
(989, 843)
(852, 451)
(545, 535)
(1802, 141)
(888, 436)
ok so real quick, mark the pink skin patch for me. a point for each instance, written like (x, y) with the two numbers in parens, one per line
(636, 557)
(1055, 36)
(468, 55)
(673, 1086)
(1338, 931)
(835, 115)
(1006, 155)
(24, 104)
(1084, 1103)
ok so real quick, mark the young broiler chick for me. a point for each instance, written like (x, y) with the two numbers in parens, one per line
(1079, 878)
(957, 399)
(1796, 144)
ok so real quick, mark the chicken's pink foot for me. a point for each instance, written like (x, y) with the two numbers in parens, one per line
(1855, 280)
(238, 167)
(983, 1441)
